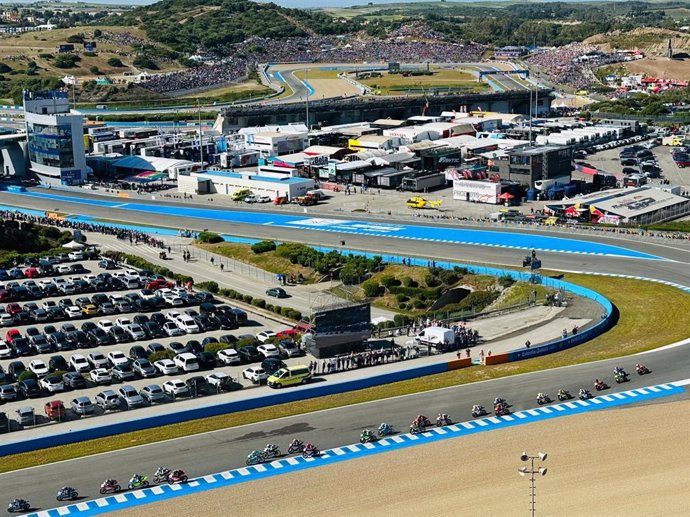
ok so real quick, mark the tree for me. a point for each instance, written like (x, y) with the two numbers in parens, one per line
(97, 33)
(94, 70)
(115, 62)
(66, 60)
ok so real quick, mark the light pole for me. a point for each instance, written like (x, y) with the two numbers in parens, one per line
(524, 471)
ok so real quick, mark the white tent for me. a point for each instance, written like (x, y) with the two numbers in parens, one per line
(74, 245)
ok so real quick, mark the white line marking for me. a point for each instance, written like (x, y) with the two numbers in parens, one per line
(384, 442)
(159, 490)
(520, 414)
(570, 405)
(619, 396)
(494, 420)
(454, 428)
(338, 451)
(532, 412)
(277, 464)
(102, 502)
(83, 506)
(242, 472)
(508, 418)
(120, 498)
(643, 391)
(607, 398)
(209, 479)
(64, 510)
(397, 439)
(226, 475)
(292, 461)
(177, 488)
(138, 494)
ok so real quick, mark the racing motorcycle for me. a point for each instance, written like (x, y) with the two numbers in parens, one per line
(642, 369)
(584, 394)
(311, 451)
(177, 476)
(543, 398)
(620, 376)
(67, 493)
(367, 436)
(501, 409)
(385, 429)
(601, 385)
(138, 481)
(295, 446)
(417, 428)
(18, 505)
(499, 400)
(443, 419)
(564, 395)
(255, 457)
(271, 451)
(161, 475)
(478, 411)
(109, 486)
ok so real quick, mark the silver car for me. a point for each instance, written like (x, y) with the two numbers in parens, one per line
(153, 393)
(26, 415)
(83, 406)
(8, 392)
(131, 396)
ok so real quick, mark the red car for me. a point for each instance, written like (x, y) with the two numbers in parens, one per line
(11, 335)
(159, 283)
(32, 272)
(13, 308)
(4, 295)
(55, 410)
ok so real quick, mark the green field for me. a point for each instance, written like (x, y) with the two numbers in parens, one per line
(638, 302)
(442, 79)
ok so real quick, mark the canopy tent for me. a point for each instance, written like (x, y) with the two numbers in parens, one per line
(147, 177)
(506, 195)
(74, 245)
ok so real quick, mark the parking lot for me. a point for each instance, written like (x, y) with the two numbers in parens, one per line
(92, 317)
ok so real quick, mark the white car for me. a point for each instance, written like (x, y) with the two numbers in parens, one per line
(116, 358)
(75, 255)
(173, 330)
(73, 312)
(268, 350)
(89, 278)
(52, 384)
(265, 335)
(187, 324)
(264, 199)
(6, 320)
(176, 388)
(217, 379)
(106, 325)
(79, 363)
(166, 366)
(123, 322)
(254, 374)
(229, 356)
(39, 368)
(46, 306)
(98, 360)
(5, 350)
(101, 376)
(172, 315)
(63, 269)
(173, 300)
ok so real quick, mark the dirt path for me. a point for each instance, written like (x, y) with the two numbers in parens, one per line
(617, 463)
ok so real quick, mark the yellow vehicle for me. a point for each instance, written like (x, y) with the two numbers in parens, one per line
(239, 195)
(582, 92)
(420, 202)
(289, 376)
(89, 310)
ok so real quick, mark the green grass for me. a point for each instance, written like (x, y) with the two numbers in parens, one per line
(517, 293)
(651, 315)
(316, 73)
(441, 79)
(671, 226)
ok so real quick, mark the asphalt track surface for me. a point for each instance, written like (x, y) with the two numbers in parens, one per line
(221, 450)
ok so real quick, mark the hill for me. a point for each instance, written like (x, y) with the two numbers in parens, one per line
(213, 25)
(652, 41)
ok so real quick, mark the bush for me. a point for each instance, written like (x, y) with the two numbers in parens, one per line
(401, 298)
(90, 54)
(211, 287)
(401, 320)
(97, 33)
(388, 281)
(248, 341)
(163, 354)
(27, 374)
(263, 247)
(209, 237)
(115, 62)
(143, 61)
(478, 300)
(505, 281)
(75, 38)
(258, 302)
(94, 70)
(370, 288)
(66, 61)
(409, 282)
(448, 277)
(431, 280)
(419, 304)
(246, 298)
(5, 69)
(214, 348)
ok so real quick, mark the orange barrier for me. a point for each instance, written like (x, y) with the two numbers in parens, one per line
(496, 359)
(54, 215)
(123, 194)
(456, 364)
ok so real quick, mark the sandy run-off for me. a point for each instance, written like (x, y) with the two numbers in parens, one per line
(633, 461)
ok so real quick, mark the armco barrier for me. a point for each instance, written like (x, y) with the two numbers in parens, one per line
(282, 397)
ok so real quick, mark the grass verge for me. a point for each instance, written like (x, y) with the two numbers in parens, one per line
(638, 302)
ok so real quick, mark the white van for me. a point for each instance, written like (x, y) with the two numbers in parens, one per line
(187, 362)
(435, 336)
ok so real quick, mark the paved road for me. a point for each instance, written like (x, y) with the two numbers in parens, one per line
(226, 449)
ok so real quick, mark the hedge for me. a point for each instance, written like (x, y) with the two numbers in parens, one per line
(209, 237)
(263, 247)
(214, 348)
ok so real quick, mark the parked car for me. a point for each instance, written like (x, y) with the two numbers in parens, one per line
(254, 374)
(166, 367)
(122, 372)
(221, 381)
(271, 365)
(290, 349)
(74, 380)
(268, 350)
(101, 376)
(250, 354)
(83, 406)
(277, 292)
(176, 388)
(229, 356)
(107, 399)
(130, 396)
(153, 393)
(97, 360)
(116, 357)
(28, 388)
(8, 392)
(26, 415)
(55, 410)
(52, 384)
(144, 368)
(199, 386)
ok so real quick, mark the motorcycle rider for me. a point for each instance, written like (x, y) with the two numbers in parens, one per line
(384, 428)
(20, 503)
(162, 472)
(583, 393)
(598, 383)
(177, 474)
(271, 447)
(541, 396)
(498, 400)
(109, 482)
(562, 393)
(136, 479)
(442, 418)
(420, 421)
(67, 491)
(641, 368)
(478, 409)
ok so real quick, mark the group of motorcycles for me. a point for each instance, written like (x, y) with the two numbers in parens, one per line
(162, 475)
(308, 450)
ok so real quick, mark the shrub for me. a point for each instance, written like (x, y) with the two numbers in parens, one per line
(75, 38)
(143, 61)
(370, 288)
(246, 298)
(388, 281)
(410, 282)
(401, 297)
(294, 314)
(258, 302)
(214, 348)
(419, 304)
(27, 374)
(249, 341)
(4, 69)
(97, 33)
(90, 54)
(263, 247)
(163, 354)
(66, 61)
(448, 277)
(401, 320)
(211, 286)
(505, 281)
(478, 300)
(209, 237)
(115, 62)
(94, 70)
(431, 280)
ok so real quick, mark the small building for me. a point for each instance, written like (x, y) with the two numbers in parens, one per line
(227, 183)
(271, 143)
(412, 134)
(173, 168)
(528, 165)
(440, 158)
(368, 142)
(477, 191)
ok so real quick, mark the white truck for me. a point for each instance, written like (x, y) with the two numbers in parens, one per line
(435, 336)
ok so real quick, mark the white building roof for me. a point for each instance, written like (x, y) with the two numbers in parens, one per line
(150, 163)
